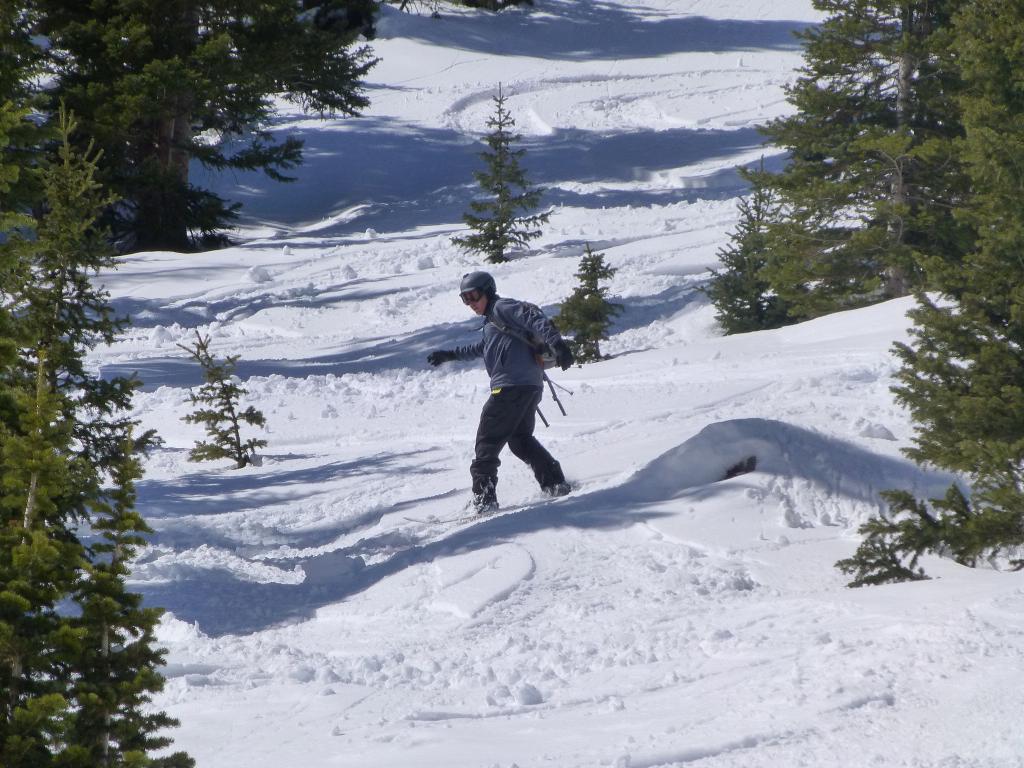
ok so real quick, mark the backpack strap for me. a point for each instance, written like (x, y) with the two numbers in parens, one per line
(528, 341)
(544, 357)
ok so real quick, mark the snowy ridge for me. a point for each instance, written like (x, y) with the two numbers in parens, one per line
(817, 479)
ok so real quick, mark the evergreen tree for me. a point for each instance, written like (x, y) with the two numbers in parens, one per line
(20, 137)
(219, 412)
(345, 17)
(12, 173)
(159, 85)
(494, 220)
(741, 294)
(951, 526)
(40, 560)
(63, 310)
(118, 672)
(587, 314)
(962, 376)
(67, 457)
(872, 177)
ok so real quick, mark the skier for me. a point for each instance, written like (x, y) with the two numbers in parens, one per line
(513, 334)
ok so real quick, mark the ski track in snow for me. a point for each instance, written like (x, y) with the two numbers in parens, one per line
(660, 615)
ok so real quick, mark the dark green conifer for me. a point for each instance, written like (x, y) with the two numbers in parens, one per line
(495, 220)
(40, 563)
(587, 314)
(962, 375)
(39, 559)
(12, 173)
(21, 138)
(220, 412)
(66, 457)
(872, 178)
(118, 672)
(160, 85)
(742, 296)
(66, 311)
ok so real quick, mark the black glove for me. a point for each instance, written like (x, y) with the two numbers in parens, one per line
(564, 357)
(440, 356)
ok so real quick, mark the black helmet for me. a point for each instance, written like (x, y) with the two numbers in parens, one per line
(480, 281)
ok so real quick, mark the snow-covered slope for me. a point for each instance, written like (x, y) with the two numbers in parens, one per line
(660, 615)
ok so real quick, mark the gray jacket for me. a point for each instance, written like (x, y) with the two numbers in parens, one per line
(509, 359)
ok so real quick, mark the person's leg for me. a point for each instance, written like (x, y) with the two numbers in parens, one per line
(527, 448)
(499, 420)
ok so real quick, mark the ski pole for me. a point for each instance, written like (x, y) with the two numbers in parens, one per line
(554, 396)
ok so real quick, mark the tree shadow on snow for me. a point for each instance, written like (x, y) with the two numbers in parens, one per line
(591, 30)
(221, 604)
(365, 355)
(240, 306)
(172, 506)
(225, 491)
(642, 311)
(400, 177)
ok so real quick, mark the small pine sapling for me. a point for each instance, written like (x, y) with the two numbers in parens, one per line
(587, 314)
(219, 410)
(496, 227)
(741, 293)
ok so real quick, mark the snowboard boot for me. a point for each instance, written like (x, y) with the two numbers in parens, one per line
(557, 489)
(485, 500)
(484, 503)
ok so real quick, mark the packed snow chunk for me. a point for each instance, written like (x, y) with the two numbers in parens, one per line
(258, 275)
(499, 696)
(876, 431)
(160, 335)
(468, 583)
(331, 567)
(171, 629)
(527, 695)
(302, 673)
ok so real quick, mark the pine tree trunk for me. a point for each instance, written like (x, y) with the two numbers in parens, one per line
(241, 459)
(12, 695)
(33, 483)
(896, 283)
(105, 736)
(30, 503)
(162, 204)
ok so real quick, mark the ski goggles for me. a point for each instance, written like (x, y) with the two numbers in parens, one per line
(472, 296)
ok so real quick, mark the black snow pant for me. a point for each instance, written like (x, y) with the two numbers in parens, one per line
(509, 418)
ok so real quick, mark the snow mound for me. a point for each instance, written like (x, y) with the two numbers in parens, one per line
(791, 456)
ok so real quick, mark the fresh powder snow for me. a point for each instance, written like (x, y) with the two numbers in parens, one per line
(321, 611)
